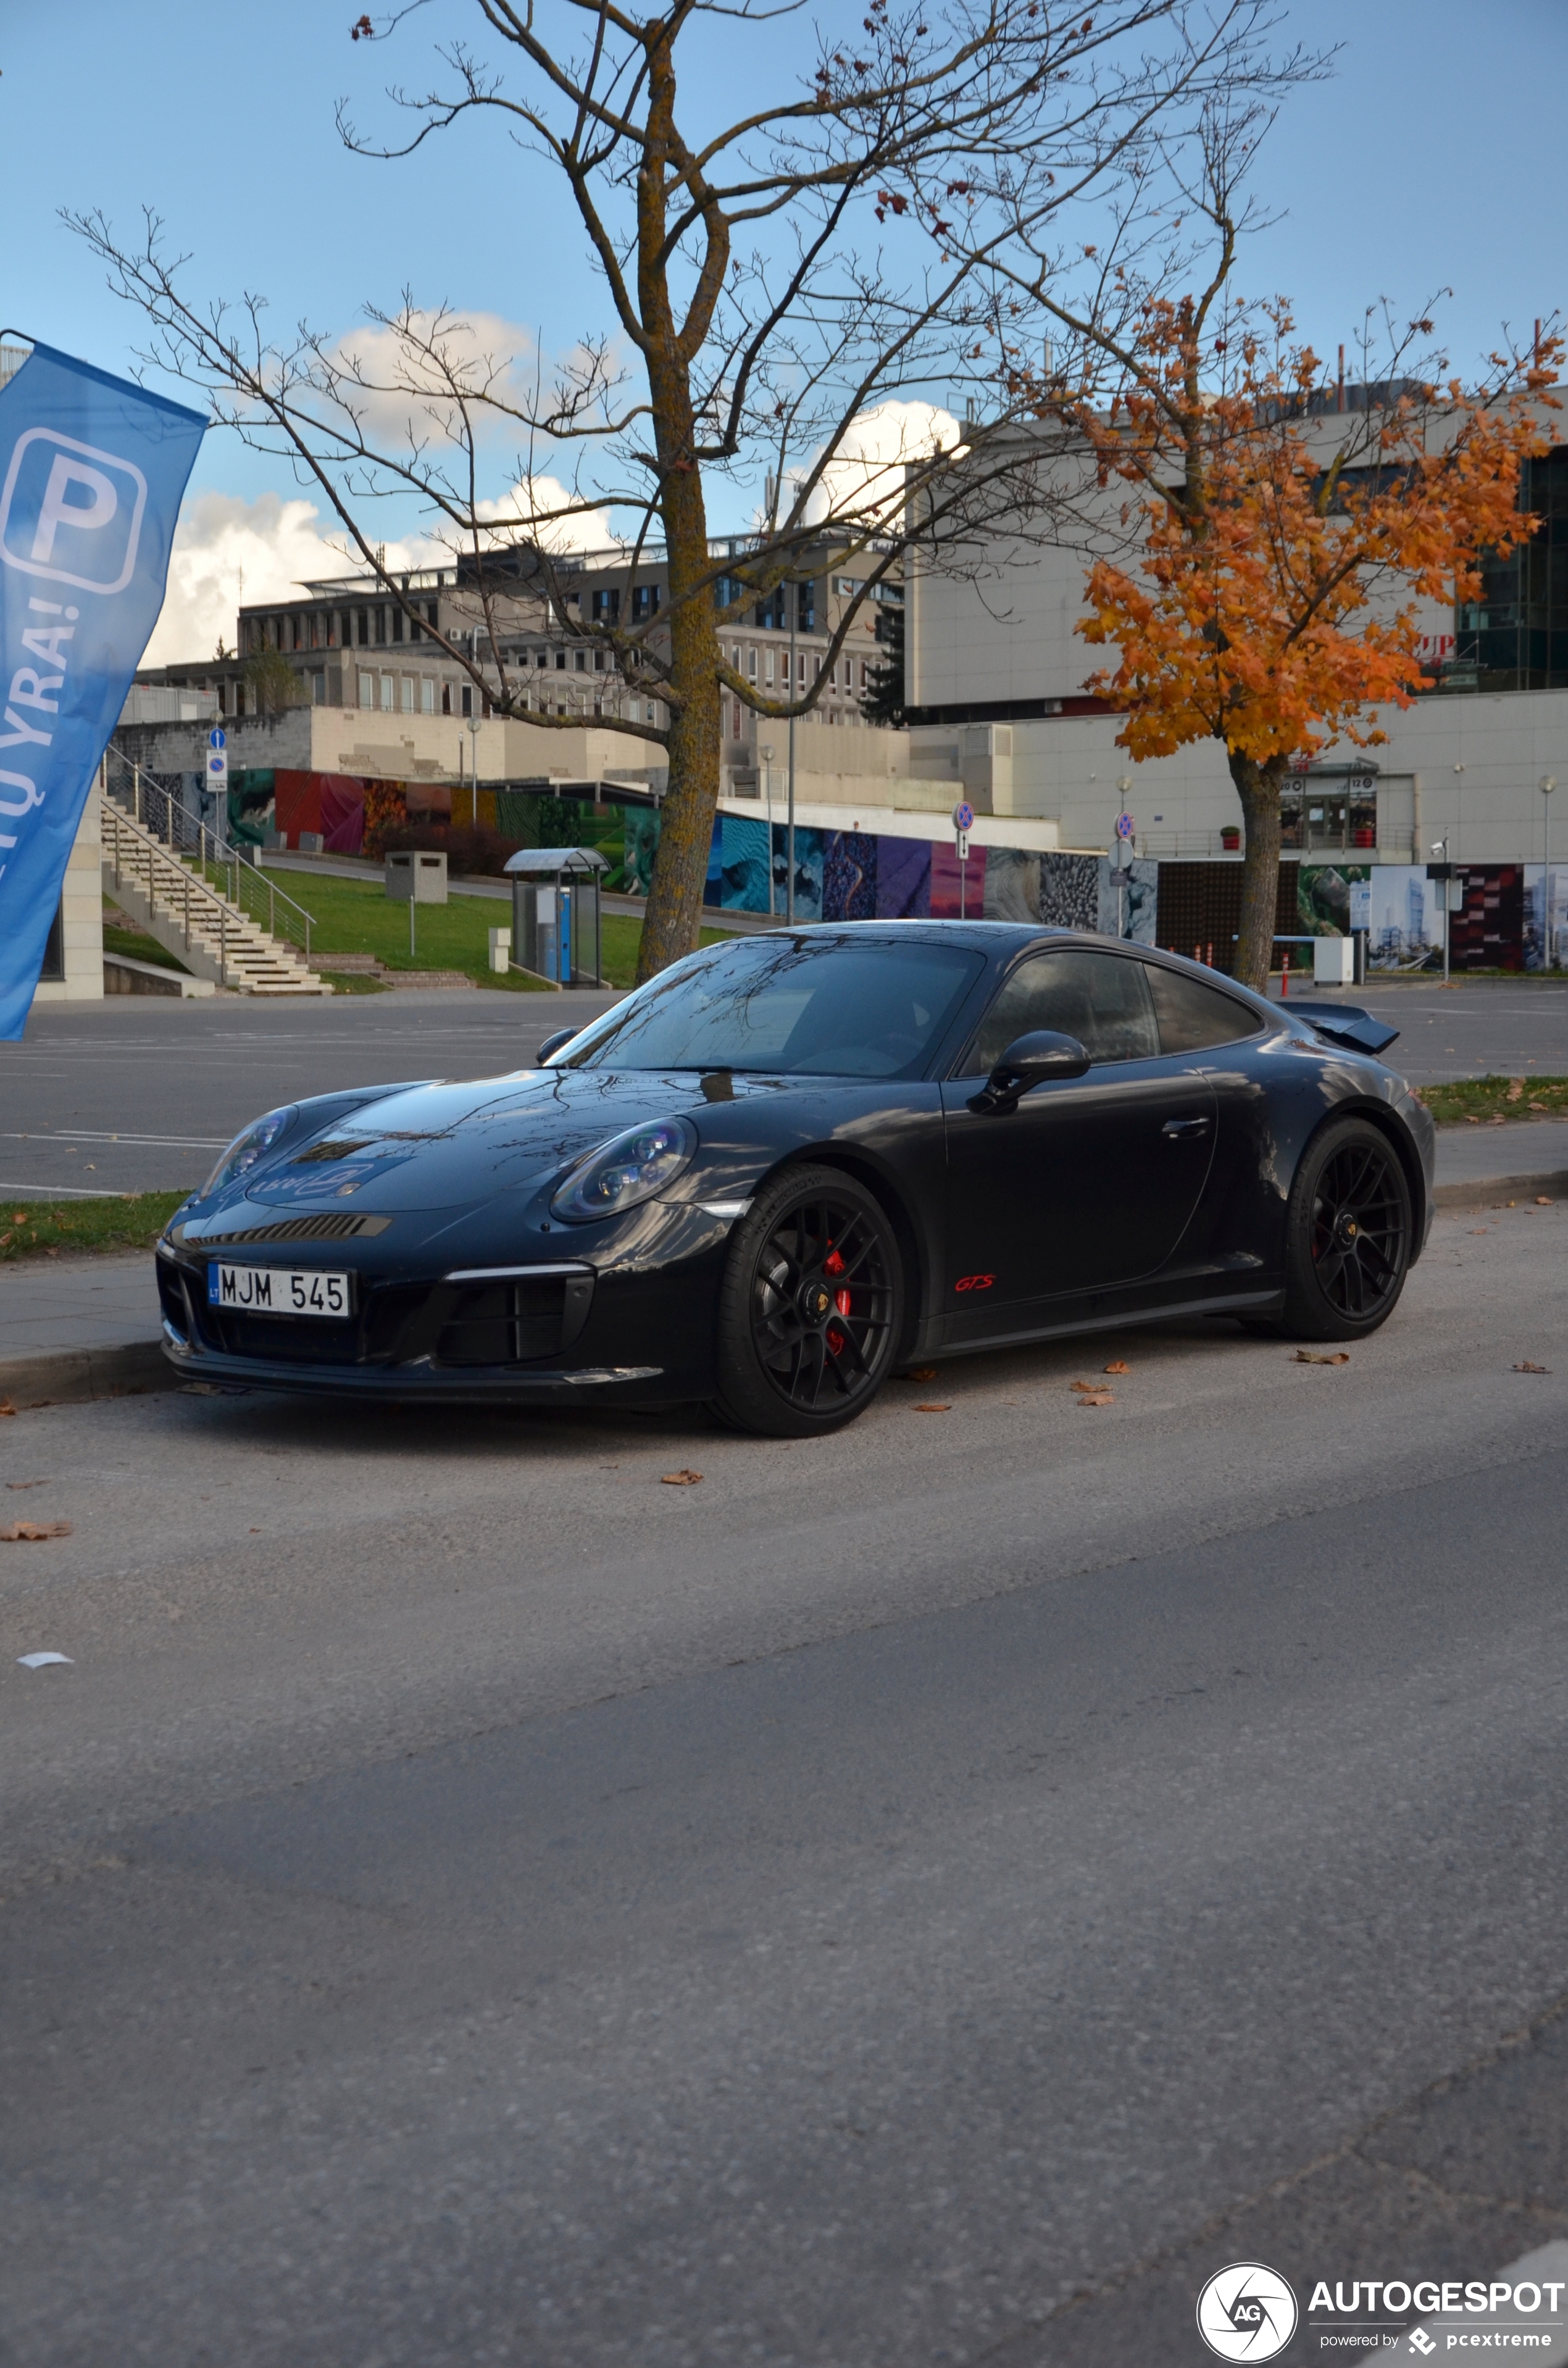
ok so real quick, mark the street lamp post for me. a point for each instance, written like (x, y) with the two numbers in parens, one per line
(474, 721)
(1440, 849)
(767, 757)
(1547, 783)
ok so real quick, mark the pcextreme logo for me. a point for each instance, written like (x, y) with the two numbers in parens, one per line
(1246, 2312)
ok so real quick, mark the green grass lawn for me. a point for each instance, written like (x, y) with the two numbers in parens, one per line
(1480, 1098)
(132, 1221)
(356, 917)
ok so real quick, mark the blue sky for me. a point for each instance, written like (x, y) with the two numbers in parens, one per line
(1435, 155)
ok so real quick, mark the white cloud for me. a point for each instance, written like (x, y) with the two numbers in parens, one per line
(538, 504)
(867, 468)
(227, 550)
(408, 390)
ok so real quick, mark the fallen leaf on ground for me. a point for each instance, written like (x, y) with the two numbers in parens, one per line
(1119, 1365)
(1479, 1229)
(1538, 1106)
(15, 1532)
(1498, 1121)
(927, 1405)
(1516, 1090)
(1471, 1118)
(1085, 1385)
(27, 1484)
(45, 1660)
(6, 1407)
(920, 1374)
(1319, 1357)
(18, 1216)
(680, 1479)
(1098, 1397)
(1543, 1200)
(1528, 1368)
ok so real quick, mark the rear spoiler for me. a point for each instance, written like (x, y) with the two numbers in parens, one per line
(1345, 1023)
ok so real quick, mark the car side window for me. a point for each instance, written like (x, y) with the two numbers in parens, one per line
(1102, 999)
(1193, 1015)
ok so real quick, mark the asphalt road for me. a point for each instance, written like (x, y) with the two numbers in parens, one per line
(137, 1094)
(925, 1896)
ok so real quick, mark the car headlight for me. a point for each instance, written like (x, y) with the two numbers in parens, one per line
(633, 1168)
(248, 1148)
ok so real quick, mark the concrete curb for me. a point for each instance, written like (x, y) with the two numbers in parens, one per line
(72, 1376)
(1480, 1191)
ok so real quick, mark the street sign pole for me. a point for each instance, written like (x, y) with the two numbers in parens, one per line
(217, 771)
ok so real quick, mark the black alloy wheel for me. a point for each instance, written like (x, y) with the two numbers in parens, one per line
(810, 1307)
(1350, 1234)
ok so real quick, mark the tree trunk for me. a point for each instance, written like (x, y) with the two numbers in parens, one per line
(674, 916)
(672, 921)
(1258, 786)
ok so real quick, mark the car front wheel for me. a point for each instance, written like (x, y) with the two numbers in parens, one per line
(1348, 1234)
(810, 1307)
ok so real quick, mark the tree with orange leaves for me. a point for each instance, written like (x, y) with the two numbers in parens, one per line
(1286, 546)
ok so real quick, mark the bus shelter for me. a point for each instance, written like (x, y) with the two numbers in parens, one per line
(556, 926)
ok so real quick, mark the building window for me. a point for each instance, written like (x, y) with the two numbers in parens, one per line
(430, 614)
(427, 694)
(770, 612)
(734, 718)
(645, 602)
(582, 658)
(806, 608)
(767, 669)
(600, 661)
(367, 688)
(467, 698)
(381, 628)
(397, 624)
(560, 661)
(408, 694)
(386, 694)
(607, 605)
(222, 695)
(318, 689)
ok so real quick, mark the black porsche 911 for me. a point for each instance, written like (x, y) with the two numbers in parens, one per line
(796, 1161)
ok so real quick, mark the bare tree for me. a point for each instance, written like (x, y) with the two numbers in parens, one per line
(846, 242)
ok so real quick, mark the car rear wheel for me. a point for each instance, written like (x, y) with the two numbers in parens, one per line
(810, 1307)
(1348, 1234)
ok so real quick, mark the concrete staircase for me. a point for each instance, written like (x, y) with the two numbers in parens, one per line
(169, 895)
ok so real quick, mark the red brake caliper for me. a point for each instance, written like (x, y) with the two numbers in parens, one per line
(834, 1264)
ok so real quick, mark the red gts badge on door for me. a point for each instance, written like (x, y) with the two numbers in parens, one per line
(974, 1282)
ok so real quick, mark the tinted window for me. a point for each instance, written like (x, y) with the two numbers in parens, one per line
(825, 1007)
(1101, 999)
(1194, 1014)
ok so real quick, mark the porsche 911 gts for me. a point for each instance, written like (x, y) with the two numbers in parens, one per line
(795, 1162)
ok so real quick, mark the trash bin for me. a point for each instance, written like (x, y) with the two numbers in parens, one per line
(421, 877)
(556, 928)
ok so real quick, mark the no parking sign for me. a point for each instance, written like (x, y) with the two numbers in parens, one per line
(218, 761)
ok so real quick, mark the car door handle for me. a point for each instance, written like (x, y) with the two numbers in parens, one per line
(1175, 1130)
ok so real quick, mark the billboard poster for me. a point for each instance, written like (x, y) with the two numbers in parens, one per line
(1404, 918)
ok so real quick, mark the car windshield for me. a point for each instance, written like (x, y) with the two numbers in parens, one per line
(790, 1005)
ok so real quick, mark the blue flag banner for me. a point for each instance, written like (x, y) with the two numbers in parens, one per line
(92, 470)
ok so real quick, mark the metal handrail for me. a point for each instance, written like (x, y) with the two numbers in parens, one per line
(131, 847)
(165, 818)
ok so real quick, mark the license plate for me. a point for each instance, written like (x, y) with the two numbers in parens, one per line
(278, 1289)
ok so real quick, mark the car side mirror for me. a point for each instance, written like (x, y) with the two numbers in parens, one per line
(1030, 1061)
(553, 1044)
